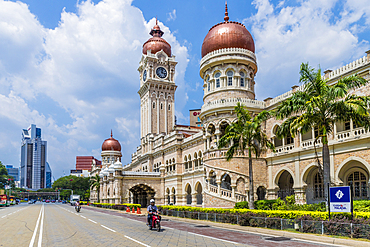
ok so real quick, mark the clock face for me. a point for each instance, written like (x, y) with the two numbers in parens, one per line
(161, 72)
(144, 75)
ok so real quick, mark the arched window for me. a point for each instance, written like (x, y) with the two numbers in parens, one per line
(217, 76)
(186, 163)
(161, 106)
(169, 107)
(153, 105)
(230, 78)
(242, 75)
(318, 186)
(190, 163)
(358, 181)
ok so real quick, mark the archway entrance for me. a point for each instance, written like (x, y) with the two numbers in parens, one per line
(141, 194)
(261, 193)
(285, 185)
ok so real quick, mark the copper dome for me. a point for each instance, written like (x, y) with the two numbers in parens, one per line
(227, 34)
(156, 43)
(111, 144)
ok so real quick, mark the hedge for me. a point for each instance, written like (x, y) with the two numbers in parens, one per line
(284, 214)
(122, 206)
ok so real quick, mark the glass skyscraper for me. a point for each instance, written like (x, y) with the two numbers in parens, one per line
(33, 159)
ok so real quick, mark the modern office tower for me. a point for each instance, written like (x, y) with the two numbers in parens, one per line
(14, 172)
(48, 175)
(33, 159)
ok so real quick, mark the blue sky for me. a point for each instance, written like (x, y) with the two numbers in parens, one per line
(71, 67)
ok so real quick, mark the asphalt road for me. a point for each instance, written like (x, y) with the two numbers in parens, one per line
(45, 224)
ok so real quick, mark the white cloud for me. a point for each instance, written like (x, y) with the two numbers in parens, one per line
(171, 15)
(86, 71)
(285, 36)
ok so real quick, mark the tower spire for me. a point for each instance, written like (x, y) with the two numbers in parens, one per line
(226, 18)
(111, 133)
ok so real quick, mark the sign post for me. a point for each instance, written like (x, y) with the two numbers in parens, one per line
(340, 199)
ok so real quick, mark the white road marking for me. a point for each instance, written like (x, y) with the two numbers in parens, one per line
(83, 216)
(205, 236)
(137, 241)
(35, 231)
(93, 221)
(41, 226)
(108, 228)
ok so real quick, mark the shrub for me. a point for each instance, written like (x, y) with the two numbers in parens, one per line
(285, 214)
(361, 206)
(240, 205)
(122, 206)
(264, 204)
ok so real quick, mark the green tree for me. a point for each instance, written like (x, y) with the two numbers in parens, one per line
(95, 184)
(3, 176)
(320, 106)
(246, 134)
(79, 185)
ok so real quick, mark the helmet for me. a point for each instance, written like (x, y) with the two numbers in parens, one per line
(152, 200)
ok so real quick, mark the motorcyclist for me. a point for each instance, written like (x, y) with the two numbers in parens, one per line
(77, 205)
(151, 209)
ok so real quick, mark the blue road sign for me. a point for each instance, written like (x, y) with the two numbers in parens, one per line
(340, 199)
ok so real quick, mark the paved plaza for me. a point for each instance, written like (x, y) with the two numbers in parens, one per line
(59, 225)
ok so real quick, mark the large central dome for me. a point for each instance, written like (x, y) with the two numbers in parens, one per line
(227, 34)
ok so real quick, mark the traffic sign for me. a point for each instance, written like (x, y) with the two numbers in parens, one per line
(340, 199)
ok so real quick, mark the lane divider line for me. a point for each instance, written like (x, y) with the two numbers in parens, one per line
(35, 231)
(137, 241)
(83, 216)
(108, 228)
(41, 226)
(220, 239)
(93, 221)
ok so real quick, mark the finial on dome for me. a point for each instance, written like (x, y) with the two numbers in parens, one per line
(226, 18)
(156, 30)
(111, 133)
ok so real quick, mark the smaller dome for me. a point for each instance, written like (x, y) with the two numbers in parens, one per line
(118, 165)
(111, 144)
(104, 172)
(156, 43)
(111, 168)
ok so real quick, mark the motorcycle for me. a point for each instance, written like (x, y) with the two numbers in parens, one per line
(156, 222)
(78, 209)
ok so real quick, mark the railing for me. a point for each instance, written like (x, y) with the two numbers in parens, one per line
(231, 102)
(309, 143)
(240, 197)
(349, 67)
(227, 51)
(285, 148)
(343, 135)
(127, 173)
(226, 193)
(213, 188)
(305, 226)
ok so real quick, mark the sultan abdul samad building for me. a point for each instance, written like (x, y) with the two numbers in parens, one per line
(181, 164)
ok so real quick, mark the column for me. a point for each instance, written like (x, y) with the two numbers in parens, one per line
(233, 191)
(219, 188)
(158, 131)
(150, 114)
(351, 126)
(165, 116)
(194, 199)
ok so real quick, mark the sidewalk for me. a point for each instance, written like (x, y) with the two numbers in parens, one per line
(260, 231)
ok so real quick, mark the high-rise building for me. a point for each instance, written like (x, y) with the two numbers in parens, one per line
(14, 172)
(85, 162)
(48, 175)
(33, 159)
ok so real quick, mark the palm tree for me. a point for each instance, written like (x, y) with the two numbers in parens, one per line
(95, 183)
(320, 106)
(246, 134)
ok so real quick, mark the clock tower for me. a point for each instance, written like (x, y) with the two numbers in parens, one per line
(157, 86)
